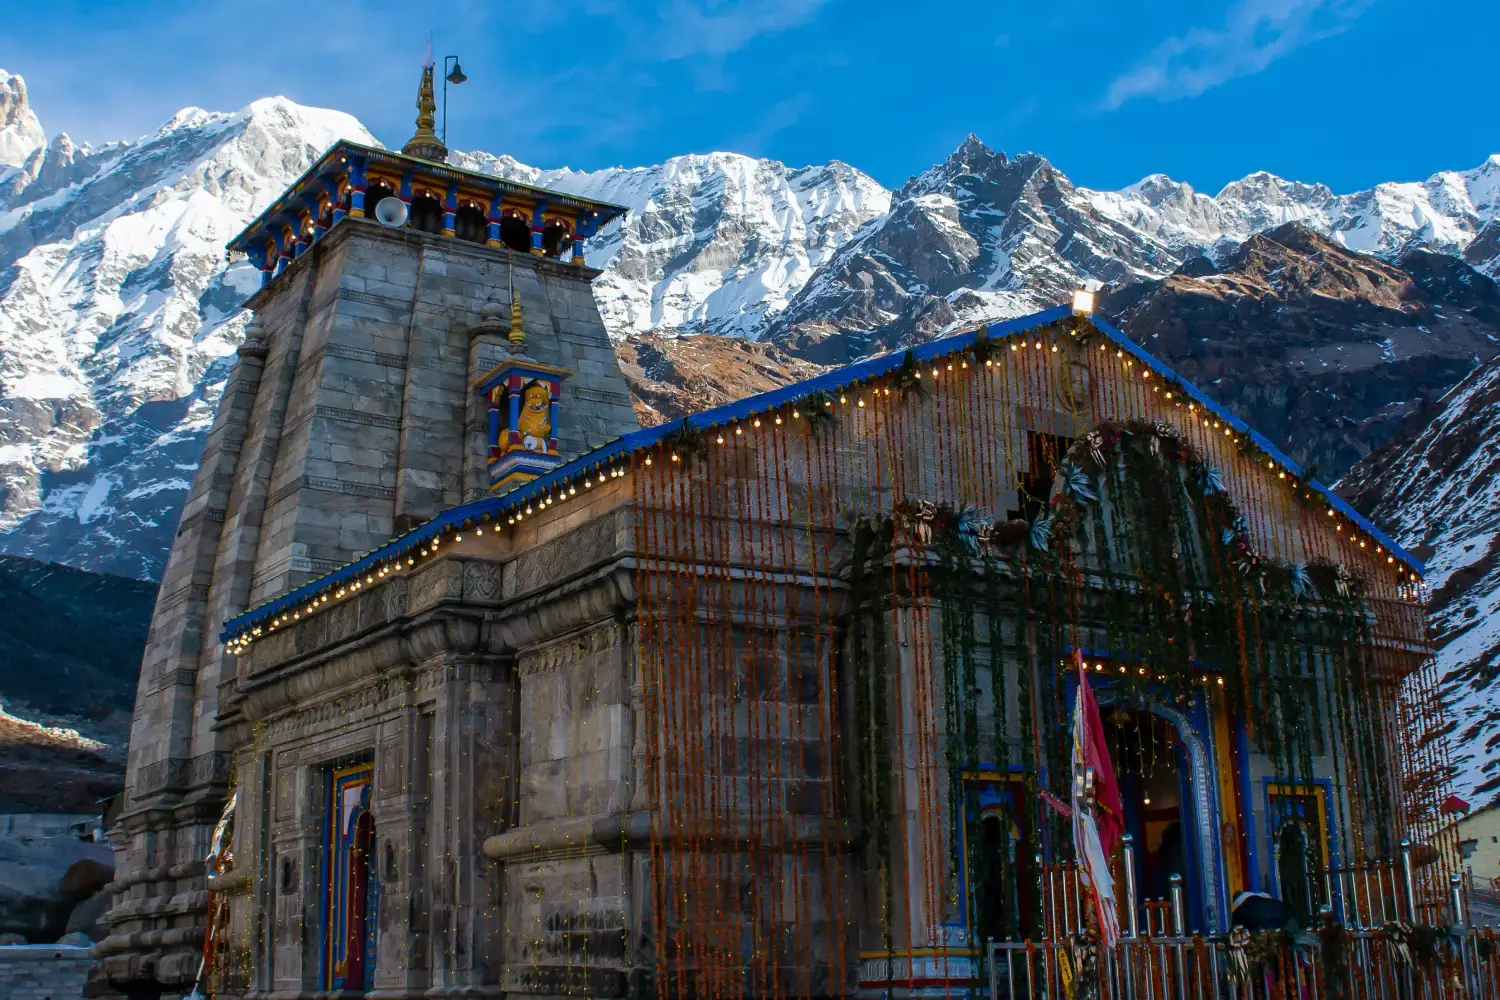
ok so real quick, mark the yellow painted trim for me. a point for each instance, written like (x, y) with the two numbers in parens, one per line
(955, 950)
(1320, 795)
(1228, 801)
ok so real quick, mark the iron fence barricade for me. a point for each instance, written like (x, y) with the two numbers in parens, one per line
(1377, 966)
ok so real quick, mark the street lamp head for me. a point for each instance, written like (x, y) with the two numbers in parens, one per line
(457, 76)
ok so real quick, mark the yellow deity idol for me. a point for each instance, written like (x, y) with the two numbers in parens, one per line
(535, 422)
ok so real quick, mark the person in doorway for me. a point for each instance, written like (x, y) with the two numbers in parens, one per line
(1258, 911)
(1169, 851)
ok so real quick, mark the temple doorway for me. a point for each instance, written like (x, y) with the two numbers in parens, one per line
(1156, 789)
(1002, 870)
(352, 887)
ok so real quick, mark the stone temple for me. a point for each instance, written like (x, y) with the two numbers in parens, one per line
(462, 684)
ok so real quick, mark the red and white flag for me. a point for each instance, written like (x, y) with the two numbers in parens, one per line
(1094, 838)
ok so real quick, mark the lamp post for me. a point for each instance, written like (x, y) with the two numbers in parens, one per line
(455, 77)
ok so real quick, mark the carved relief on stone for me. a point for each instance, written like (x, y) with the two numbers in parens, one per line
(313, 635)
(395, 593)
(315, 717)
(389, 782)
(441, 581)
(286, 792)
(482, 582)
(343, 620)
(558, 654)
(558, 558)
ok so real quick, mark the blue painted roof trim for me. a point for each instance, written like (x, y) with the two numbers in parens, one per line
(610, 454)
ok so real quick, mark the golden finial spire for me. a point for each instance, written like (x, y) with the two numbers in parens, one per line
(425, 142)
(517, 322)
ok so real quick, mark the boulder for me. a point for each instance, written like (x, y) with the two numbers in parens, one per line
(7, 938)
(32, 899)
(76, 939)
(86, 876)
(87, 917)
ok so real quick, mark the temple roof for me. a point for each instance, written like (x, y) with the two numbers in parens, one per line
(288, 207)
(615, 455)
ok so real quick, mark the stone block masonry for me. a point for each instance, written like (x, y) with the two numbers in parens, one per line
(43, 971)
(347, 419)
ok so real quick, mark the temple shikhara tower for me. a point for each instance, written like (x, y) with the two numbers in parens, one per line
(934, 668)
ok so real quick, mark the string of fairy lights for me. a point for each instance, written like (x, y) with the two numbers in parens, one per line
(737, 512)
(950, 358)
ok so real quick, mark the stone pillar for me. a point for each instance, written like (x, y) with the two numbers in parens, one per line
(492, 228)
(450, 211)
(536, 228)
(919, 832)
(402, 821)
(471, 734)
(357, 187)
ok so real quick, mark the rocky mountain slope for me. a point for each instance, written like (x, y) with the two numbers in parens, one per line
(1324, 350)
(70, 653)
(670, 377)
(1437, 489)
(982, 235)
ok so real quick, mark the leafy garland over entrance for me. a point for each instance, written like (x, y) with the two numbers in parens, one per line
(1142, 552)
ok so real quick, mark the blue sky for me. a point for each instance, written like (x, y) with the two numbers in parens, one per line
(1347, 92)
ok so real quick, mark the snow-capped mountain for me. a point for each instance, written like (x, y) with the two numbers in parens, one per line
(979, 236)
(119, 314)
(20, 132)
(1437, 490)
(118, 319)
(982, 235)
(714, 243)
(1442, 213)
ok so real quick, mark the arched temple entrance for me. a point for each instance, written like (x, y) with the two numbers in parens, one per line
(515, 231)
(1166, 780)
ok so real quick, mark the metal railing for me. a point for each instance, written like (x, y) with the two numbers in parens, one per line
(1353, 965)
(1386, 941)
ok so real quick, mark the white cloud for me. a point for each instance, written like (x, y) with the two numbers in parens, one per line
(690, 28)
(1255, 34)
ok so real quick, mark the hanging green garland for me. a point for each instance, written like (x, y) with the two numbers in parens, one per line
(1142, 544)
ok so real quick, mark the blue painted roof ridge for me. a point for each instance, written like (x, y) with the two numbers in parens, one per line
(742, 408)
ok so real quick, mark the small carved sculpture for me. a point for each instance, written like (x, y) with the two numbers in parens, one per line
(535, 421)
